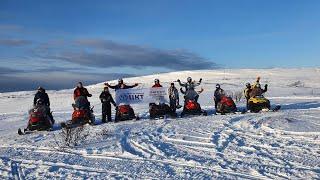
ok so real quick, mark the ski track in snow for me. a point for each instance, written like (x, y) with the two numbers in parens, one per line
(273, 145)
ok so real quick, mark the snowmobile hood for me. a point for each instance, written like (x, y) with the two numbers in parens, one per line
(259, 99)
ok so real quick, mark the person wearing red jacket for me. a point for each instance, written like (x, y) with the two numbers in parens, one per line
(156, 84)
(80, 91)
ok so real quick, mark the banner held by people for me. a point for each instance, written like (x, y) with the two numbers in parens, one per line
(144, 95)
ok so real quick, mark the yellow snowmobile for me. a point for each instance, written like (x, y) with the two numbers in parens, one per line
(258, 103)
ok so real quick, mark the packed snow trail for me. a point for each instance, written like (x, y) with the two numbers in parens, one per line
(273, 145)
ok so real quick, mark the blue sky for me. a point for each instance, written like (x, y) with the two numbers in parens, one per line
(95, 41)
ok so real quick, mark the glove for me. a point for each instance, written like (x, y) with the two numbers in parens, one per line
(178, 80)
(114, 104)
(265, 86)
(136, 84)
(89, 95)
(200, 80)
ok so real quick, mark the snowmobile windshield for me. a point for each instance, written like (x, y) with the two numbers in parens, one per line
(81, 102)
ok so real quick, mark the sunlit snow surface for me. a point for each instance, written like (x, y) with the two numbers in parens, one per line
(276, 145)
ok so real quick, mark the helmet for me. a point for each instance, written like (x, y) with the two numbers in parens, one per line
(218, 86)
(156, 81)
(40, 88)
(248, 84)
(189, 79)
(120, 81)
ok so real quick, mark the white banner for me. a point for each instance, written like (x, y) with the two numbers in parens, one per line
(139, 96)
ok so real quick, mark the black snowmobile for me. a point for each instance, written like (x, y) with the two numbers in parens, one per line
(160, 111)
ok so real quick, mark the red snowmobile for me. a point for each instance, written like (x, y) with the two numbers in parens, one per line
(82, 114)
(125, 112)
(38, 120)
(226, 105)
(191, 107)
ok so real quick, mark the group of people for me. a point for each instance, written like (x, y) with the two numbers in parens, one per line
(250, 91)
(254, 90)
(41, 99)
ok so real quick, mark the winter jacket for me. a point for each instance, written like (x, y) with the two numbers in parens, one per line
(81, 92)
(156, 85)
(118, 86)
(247, 92)
(106, 98)
(191, 94)
(43, 96)
(257, 91)
(189, 85)
(173, 93)
(218, 93)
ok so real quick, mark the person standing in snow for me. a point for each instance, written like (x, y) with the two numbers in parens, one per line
(189, 86)
(247, 92)
(81, 91)
(173, 97)
(218, 93)
(106, 100)
(121, 85)
(156, 83)
(43, 96)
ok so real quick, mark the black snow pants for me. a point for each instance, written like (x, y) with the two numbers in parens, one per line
(106, 112)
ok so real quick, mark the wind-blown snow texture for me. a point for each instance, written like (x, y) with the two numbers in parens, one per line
(276, 145)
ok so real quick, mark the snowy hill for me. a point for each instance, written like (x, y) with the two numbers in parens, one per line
(276, 145)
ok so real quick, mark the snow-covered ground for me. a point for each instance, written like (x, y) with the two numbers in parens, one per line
(274, 145)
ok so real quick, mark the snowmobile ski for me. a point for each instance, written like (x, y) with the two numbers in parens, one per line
(27, 131)
(20, 132)
(277, 108)
(69, 125)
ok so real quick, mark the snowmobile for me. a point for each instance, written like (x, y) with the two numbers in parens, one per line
(82, 114)
(191, 107)
(258, 103)
(125, 112)
(38, 120)
(160, 110)
(226, 105)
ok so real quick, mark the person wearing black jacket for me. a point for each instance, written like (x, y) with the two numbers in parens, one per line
(121, 85)
(106, 100)
(43, 96)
